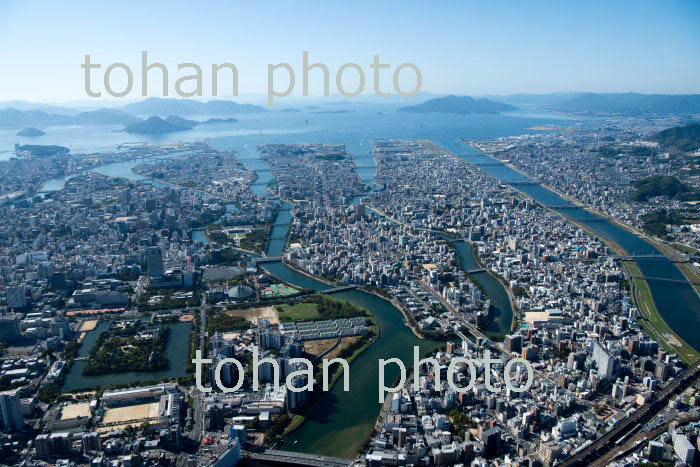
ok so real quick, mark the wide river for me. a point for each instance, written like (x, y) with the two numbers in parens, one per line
(340, 421)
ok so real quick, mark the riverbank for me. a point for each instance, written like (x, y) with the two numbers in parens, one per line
(653, 322)
(311, 276)
(409, 321)
(299, 419)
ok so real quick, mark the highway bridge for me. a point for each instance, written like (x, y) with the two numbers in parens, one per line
(662, 258)
(338, 289)
(524, 183)
(635, 421)
(475, 271)
(275, 457)
(680, 281)
(267, 259)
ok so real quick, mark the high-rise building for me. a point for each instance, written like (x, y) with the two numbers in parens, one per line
(9, 328)
(661, 371)
(52, 445)
(492, 440)
(513, 343)
(16, 297)
(92, 442)
(154, 261)
(297, 399)
(604, 361)
(11, 418)
(230, 457)
(239, 432)
(684, 449)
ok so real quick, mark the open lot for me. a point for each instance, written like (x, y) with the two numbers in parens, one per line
(299, 312)
(81, 409)
(252, 314)
(320, 346)
(88, 325)
(131, 413)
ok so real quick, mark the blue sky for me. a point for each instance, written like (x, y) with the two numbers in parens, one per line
(465, 47)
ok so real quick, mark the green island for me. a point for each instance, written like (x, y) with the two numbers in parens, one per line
(131, 348)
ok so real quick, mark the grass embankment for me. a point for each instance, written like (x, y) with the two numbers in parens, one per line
(652, 321)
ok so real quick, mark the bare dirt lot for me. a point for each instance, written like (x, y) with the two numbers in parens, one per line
(252, 314)
(131, 413)
(81, 409)
(88, 325)
(320, 346)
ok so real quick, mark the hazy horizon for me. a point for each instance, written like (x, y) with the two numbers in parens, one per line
(471, 48)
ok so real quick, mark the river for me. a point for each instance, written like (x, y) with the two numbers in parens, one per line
(677, 302)
(340, 421)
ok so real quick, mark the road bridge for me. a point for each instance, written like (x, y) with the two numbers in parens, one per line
(661, 258)
(475, 271)
(275, 457)
(682, 281)
(524, 183)
(338, 289)
(267, 259)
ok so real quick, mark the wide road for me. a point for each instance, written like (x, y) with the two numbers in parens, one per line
(636, 421)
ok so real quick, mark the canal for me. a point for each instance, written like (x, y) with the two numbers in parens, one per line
(178, 356)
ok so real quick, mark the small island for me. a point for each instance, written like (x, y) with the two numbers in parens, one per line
(130, 347)
(31, 132)
(158, 126)
(459, 105)
(219, 120)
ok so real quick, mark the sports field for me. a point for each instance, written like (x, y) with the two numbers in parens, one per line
(278, 290)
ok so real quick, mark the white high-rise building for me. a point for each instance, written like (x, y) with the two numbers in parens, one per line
(604, 361)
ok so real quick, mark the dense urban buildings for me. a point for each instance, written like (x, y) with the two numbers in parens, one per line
(112, 282)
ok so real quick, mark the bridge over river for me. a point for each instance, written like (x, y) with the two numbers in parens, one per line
(274, 457)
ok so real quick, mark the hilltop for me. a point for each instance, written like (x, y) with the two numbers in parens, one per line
(459, 105)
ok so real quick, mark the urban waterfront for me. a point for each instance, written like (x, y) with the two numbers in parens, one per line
(353, 413)
(678, 302)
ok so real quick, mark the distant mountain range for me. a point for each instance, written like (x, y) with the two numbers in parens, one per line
(159, 106)
(158, 126)
(13, 118)
(22, 114)
(610, 103)
(34, 114)
(31, 132)
(459, 105)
